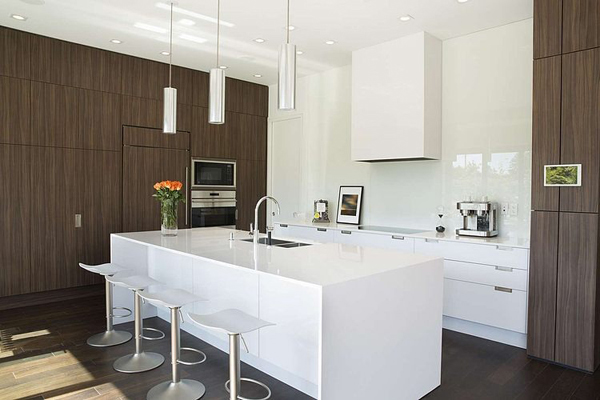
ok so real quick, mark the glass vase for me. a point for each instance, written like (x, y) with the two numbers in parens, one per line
(168, 213)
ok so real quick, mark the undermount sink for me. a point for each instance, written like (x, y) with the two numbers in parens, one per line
(287, 244)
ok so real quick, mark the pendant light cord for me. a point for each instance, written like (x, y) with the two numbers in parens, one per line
(218, 29)
(171, 47)
(287, 28)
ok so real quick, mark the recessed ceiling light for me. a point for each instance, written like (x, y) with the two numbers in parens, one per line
(223, 66)
(259, 40)
(165, 53)
(179, 10)
(116, 41)
(462, 1)
(150, 28)
(192, 38)
(257, 75)
(406, 18)
(187, 22)
(291, 27)
(330, 42)
(18, 17)
(299, 52)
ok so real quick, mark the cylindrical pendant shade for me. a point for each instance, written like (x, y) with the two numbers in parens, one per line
(170, 111)
(287, 77)
(216, 96)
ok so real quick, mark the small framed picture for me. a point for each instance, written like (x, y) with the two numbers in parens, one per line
(562, 175)
(349, 205)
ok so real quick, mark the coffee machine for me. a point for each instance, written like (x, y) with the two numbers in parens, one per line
(479, 218)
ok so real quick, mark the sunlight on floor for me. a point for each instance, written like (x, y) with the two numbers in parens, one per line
(29, 335)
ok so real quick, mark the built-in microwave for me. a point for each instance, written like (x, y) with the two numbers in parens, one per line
(218, 174)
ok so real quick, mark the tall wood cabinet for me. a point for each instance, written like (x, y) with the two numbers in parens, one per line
(564, 296)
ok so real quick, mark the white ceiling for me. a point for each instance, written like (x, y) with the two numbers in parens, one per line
(353, 24)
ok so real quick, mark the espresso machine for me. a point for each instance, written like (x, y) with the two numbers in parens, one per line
(479, 218)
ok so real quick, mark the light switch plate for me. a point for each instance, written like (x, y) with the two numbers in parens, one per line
(504, 209)
(513, 209)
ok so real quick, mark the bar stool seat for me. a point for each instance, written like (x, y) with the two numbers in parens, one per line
(110, 337)
(234, 323)
(176, 388)
(141, 360)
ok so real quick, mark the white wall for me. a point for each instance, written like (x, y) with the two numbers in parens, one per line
(487, 79)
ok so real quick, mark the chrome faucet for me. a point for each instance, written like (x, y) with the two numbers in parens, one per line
(254, 228)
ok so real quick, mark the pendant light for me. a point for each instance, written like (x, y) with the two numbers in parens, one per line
(216, 94)
(287, 71)
(170, 93)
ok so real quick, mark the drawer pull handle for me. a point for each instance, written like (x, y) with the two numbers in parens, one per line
(321, 229)
(504, 248)
(431, 241)
(505, 269)
(502, 289)
(283, 225)
(346, 233)
(397, 237)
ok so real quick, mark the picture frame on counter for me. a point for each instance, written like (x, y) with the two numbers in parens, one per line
(562, 175)
(349, 205)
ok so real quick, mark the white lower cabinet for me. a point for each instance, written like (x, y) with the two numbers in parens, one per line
(322, 235)
(394, 242)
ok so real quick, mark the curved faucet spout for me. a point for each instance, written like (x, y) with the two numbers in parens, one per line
(255, 230)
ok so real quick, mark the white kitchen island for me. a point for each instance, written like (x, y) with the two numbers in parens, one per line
(351, 322)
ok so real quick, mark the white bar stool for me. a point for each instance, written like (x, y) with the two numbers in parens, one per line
(234, 323)
(110, 337)
(177, 388)
(140, 361)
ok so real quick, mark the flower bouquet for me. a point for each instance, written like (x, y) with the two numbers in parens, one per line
(169, 194)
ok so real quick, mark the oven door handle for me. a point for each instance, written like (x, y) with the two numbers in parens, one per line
(213, 203)
(187, 185)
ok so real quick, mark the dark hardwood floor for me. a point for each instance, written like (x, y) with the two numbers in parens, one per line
(43, 354)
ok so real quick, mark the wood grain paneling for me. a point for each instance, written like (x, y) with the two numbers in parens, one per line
(97, 69)
(53, 61)
(56, 176)
(145, 137)
(15, 219)
(546, 130)
(547, 28)
(576, 296)
(137, 111)
(15, 47)
(581, 25)
(144, 78)
(246, 97)
(142, 168)
(200, 82)
(251, 131)
(580, 124)
(184, 117)
(100, 120)
(54, 115)
(213, 141)
(543, 271)
(183, 81)
(15, 97)
(252, 185)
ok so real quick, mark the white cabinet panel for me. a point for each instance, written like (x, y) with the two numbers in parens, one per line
(476, 253)
(394, 242)
(321, 235)
(486, 305)
(506, 277)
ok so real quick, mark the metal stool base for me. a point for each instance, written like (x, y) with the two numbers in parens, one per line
(109, 338)
(142, 362)
(255, 382)
(185, 389)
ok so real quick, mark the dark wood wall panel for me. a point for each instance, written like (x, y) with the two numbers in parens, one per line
(213, 141)
(547, 28)
(252, 185)
(580, 124)
(576, 296)
(15, 220)
(15, 47)
(54, 115)
(546, 130)
(97, 69)
(246, 97)
(200, 82)
(52, 61)
(15, 97)
(144, 78)
(137, 111)
(252, 133)
(543, 269)
(133, 136)
(183, 80)
(581, 20)
(100, 120)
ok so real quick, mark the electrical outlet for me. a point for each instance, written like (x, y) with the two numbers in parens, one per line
(504, 209)
(513, 209)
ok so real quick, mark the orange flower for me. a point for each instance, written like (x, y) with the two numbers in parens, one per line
(177, 185)
(157, 186)
(168, 184)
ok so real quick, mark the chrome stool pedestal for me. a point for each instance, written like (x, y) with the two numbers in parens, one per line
(110, 337)
(234, 323)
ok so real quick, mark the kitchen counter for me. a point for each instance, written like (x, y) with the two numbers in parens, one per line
(342, 313)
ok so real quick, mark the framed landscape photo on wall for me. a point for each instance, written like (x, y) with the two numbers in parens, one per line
(562, 175)
(349, 205)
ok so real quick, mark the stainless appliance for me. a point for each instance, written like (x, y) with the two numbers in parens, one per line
(213, 208)
(215, 174)
(479, 218)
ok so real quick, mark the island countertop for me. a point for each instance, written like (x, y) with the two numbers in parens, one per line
(318, 264)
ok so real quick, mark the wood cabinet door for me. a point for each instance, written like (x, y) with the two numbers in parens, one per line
(581, 25)
(53, 61)
(56, 187)
(251, 186)
(580, 124)
(546, 130)
(15, 220)
(543, 271)
(214, 141)
(54, 115)
(146, 113)
(547, 28)
(576, 290)
(142, 168)
(100, 120)
(246, 97)
(15, 121)
(144, 78)
(15, 47)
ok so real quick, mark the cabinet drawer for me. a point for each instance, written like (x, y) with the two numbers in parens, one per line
(322, 235)
(395, 242)
(486, 274)
(486, 305)
(475, 253)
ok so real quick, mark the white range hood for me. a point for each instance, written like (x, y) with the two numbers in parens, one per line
(397, 100)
